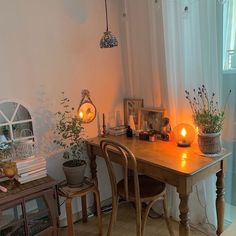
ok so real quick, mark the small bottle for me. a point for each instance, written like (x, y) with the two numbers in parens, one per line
(129, 132)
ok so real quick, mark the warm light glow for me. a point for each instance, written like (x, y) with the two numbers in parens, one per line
(196, 130)
(183, 132)
(184, 155)
(183, 160)
(81, 115)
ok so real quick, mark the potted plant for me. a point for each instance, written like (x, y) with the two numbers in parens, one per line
(209, 119)
(69, 131)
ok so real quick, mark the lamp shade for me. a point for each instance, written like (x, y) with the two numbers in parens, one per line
(184, 134)
(108, 40)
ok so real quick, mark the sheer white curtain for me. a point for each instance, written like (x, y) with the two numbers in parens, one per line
(229, 30)
(190, 33)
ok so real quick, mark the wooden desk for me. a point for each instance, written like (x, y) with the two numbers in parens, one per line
(180, 167)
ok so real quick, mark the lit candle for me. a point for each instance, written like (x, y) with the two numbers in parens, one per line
(183, 142)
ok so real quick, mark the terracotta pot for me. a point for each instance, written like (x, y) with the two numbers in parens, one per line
(74, 174)
(209, 143)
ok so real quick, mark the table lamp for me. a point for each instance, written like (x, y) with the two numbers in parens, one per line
(184, 134)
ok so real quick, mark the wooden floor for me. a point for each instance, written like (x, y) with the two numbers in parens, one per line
(125, 225)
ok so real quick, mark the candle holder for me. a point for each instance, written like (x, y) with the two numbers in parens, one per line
(184, 135)
(104, 132)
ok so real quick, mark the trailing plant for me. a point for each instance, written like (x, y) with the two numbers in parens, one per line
(69, 130)
(207, 115)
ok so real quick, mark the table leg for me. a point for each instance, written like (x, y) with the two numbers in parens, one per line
(69, 216)
(220, 202)
(93, 169)
(84, 209)
(184, 229)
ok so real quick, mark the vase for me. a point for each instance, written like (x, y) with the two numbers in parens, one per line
(209, 143)
(74, 173)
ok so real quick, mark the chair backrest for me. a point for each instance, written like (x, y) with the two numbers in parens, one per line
(128, 161)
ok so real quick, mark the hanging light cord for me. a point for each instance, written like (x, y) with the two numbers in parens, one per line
(106, 14)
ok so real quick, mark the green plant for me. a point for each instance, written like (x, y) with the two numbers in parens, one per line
(207, 115)
(69, 130)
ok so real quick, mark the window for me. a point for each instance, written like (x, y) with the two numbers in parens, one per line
(229, 35)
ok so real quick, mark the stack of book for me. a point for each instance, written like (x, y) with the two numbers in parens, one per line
(118, 130)
(30, 169)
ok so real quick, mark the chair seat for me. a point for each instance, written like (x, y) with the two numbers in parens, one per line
(149, 188)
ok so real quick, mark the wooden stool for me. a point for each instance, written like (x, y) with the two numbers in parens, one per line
(69, 193)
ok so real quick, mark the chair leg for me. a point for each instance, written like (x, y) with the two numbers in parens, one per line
(113, 215)
(117, 202)
(138, 219)
(167, 219)
(70, 227)
(145, 216)
(84, 209)
(99, 215)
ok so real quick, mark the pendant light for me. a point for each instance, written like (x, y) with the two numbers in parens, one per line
(108, 40)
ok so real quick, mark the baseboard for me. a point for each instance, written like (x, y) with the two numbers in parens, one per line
(78, 215)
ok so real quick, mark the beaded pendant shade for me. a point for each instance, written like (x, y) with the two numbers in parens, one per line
(108, 40)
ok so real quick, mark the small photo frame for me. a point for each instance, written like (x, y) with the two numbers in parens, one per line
(152, 119)
(132, 106)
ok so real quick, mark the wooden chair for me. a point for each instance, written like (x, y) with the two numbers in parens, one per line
(136, 188)
(69, 193)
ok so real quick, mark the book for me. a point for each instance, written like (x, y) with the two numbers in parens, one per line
(20, 163)
(31, 172)
(118, 130)
(30, 177)
(21, 170)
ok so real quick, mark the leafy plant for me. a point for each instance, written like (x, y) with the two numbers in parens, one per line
(69, 130)
(207, 115)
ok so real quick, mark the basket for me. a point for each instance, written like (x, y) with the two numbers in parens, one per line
(209, 143)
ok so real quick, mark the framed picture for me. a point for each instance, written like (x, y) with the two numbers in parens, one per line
(152, 119)
(132, 107)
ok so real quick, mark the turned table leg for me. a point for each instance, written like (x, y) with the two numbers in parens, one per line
(220, 202)
(184, 229)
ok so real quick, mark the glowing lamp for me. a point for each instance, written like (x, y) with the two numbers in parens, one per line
(184, 135)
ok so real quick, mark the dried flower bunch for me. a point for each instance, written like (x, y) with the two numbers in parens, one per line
(70, 132)
(207, 114)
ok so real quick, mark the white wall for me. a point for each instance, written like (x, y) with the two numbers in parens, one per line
(49, 46)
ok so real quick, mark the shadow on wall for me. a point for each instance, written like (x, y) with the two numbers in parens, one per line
(44, 126)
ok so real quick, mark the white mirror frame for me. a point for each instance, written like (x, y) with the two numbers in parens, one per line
(11, 121)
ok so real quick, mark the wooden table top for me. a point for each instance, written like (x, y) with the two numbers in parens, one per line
(21, 190)
(166, 155)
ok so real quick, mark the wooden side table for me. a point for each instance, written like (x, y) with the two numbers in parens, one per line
(29, 209)
(69, 193)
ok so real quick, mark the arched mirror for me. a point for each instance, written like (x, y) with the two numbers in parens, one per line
(87, 110)
(16, 125)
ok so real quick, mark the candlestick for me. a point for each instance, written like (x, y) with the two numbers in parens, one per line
(103, 125)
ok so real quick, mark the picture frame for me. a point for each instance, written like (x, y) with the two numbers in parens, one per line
(132, 106)
(152, 119)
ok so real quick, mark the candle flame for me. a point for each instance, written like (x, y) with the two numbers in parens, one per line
(81, 115)
(183, 132)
